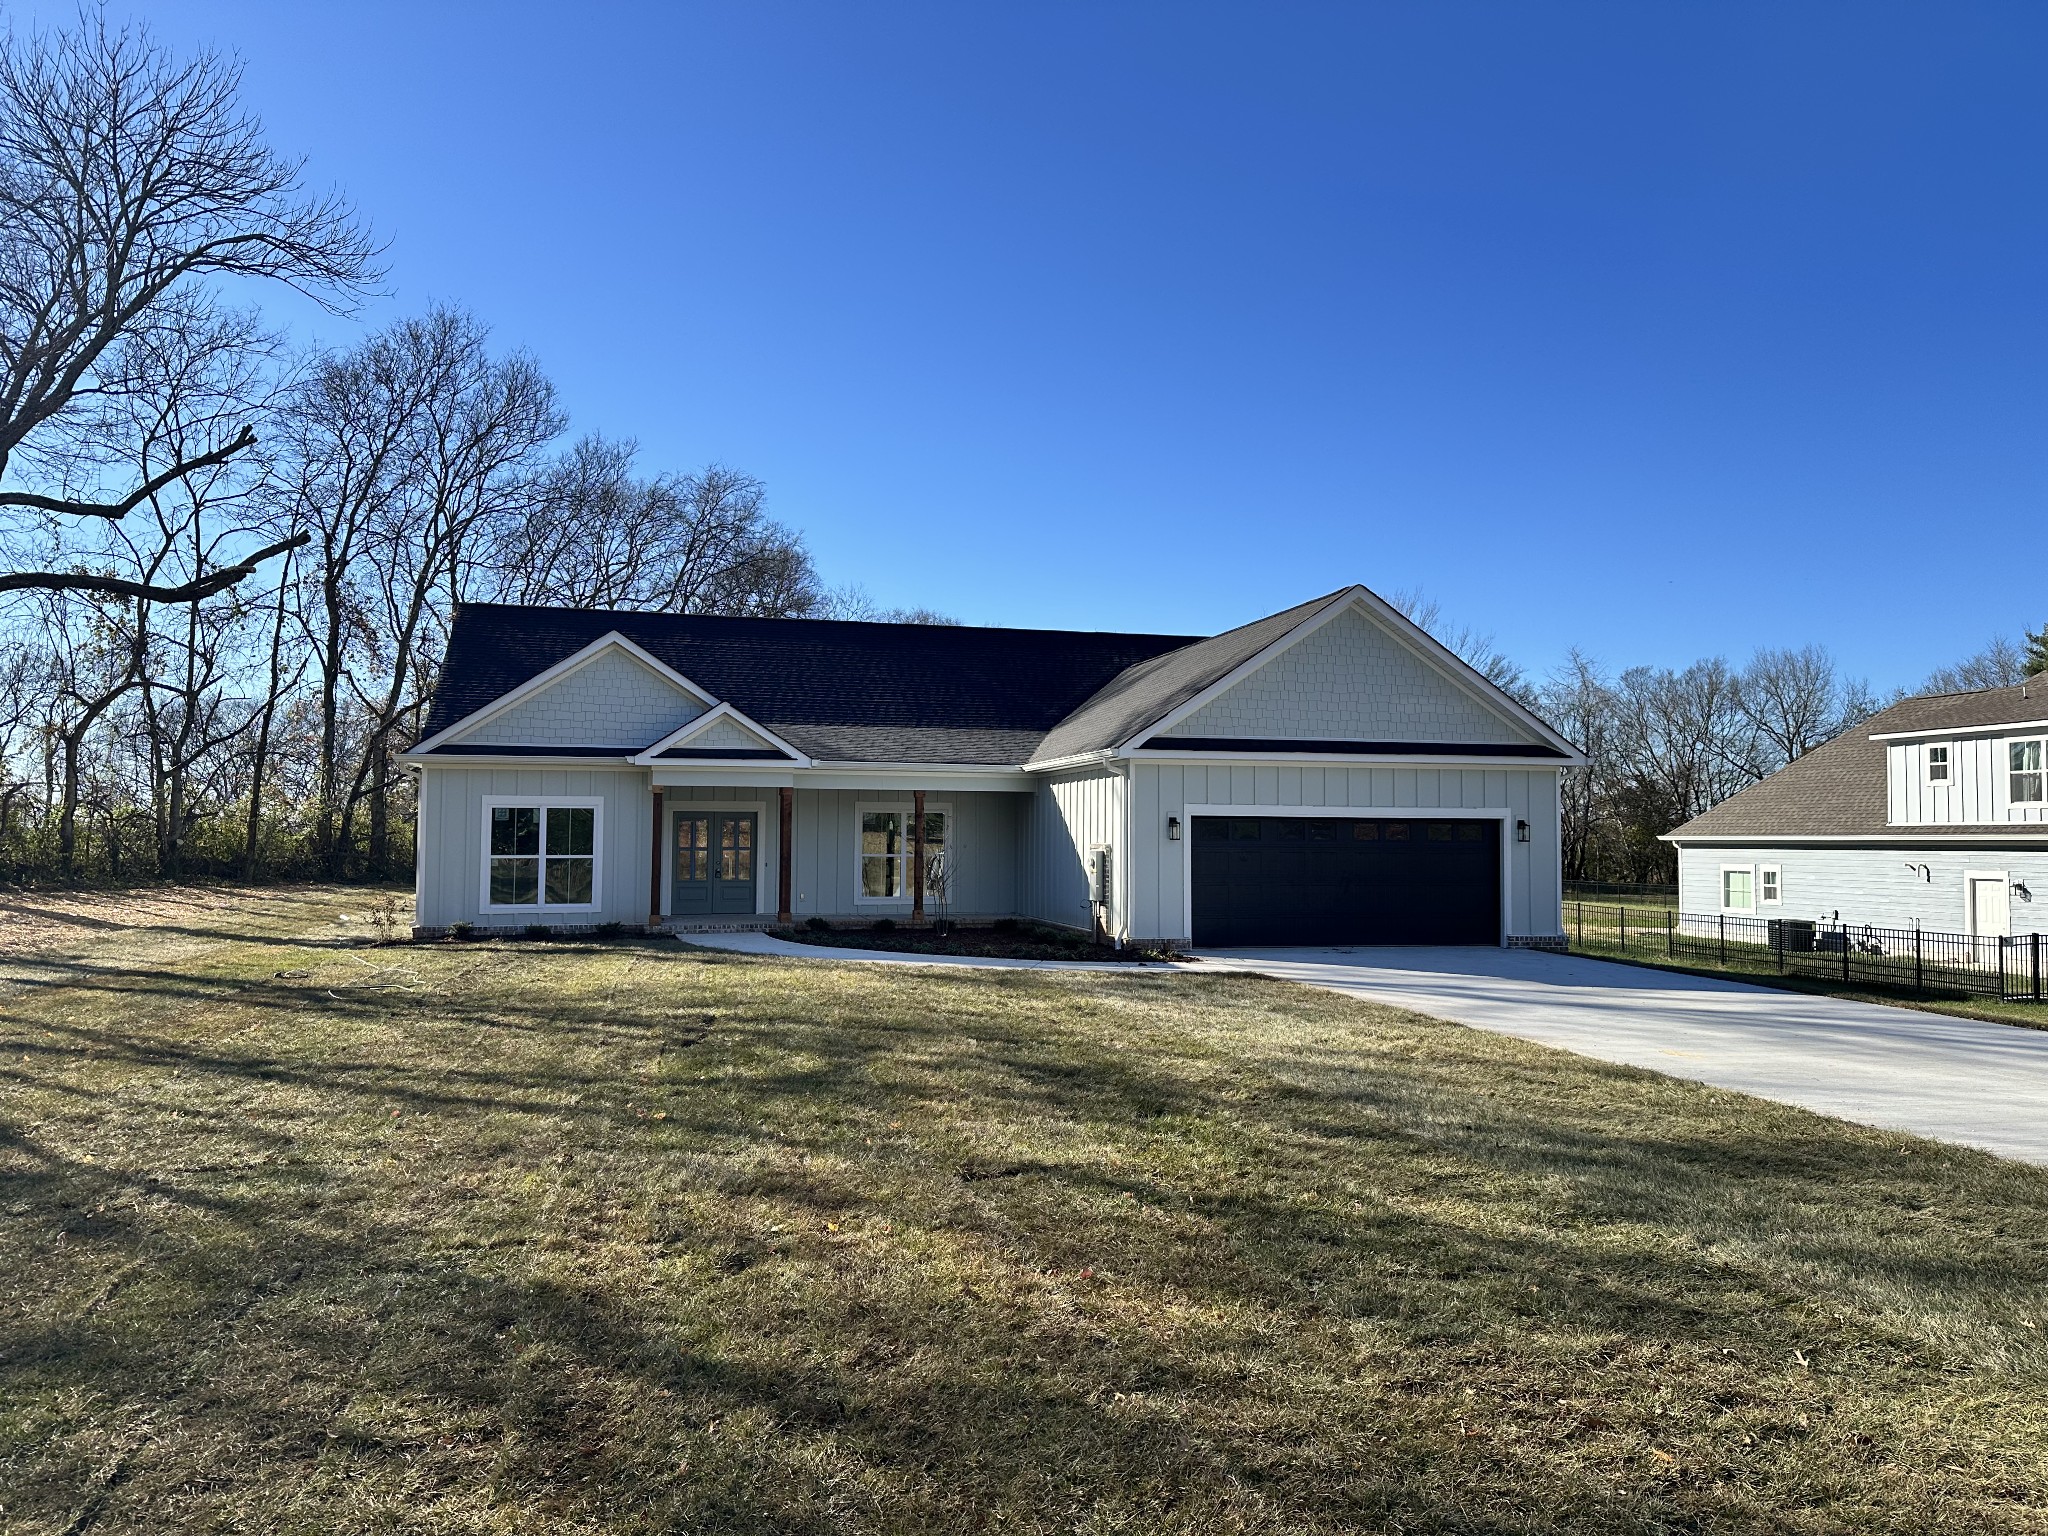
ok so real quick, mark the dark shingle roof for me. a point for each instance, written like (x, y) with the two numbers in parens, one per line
(839, 691)
(1838, 789)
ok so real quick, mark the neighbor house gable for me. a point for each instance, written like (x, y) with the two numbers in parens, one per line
(609, 694)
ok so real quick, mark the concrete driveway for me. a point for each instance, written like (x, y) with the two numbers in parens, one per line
(1963, 1080)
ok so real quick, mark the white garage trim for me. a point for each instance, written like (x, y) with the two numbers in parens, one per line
(1502, 815)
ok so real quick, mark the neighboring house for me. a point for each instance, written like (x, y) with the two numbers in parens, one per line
(1328, 774)
(1932, 814)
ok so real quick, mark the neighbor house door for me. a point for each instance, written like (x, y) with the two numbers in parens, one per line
(1990, 907)
(714, 864)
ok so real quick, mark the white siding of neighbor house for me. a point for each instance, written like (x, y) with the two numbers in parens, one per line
(612, 700)
(1349, 680)
(1978, 791)
(1158, 865)
(451, 842)
(1069, 814)
(1879, 886)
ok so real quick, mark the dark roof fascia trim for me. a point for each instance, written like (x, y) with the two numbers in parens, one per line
(1269, 745)
(747, 754)
(474, 750)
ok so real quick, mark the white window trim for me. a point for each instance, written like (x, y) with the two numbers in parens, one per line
(906, 809)
(1948, 764)
(2011, 800)
(1777, 874)
(544, 803)
(1721, 891)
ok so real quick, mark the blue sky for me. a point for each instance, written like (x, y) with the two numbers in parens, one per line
(1657, 330)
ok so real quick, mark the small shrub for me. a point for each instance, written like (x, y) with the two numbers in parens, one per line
(818, 924)
(883, 925)
(462, 933)
(537, 931)
(1005, 925)
(610, 930)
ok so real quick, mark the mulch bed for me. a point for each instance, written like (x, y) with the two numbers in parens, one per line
(988, 943)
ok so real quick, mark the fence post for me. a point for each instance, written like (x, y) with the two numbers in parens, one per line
(2037, 964)
(1845, 953)
(1778, 944)
(1670, 933)
(1582, 923)
(1919, 986)
(2003, 991)
(1623, 913)
(1724, 938)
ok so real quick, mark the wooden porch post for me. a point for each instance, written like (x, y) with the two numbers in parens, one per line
(654, 867)
(917, 856)
(782, 852)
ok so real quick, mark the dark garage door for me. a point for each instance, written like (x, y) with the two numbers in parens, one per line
(1345, 880)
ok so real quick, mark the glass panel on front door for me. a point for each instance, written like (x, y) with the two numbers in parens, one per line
(714, 864)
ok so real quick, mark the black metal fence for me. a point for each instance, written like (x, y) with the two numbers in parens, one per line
(1645, 894)
(1916, 960)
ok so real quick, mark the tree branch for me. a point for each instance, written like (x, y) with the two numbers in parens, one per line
(114, 511)
(115, 586)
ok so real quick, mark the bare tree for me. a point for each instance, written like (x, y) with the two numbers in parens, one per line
(1999, 665)
(595, 535)
(130, 182)
(1474, 647)
(853, 602)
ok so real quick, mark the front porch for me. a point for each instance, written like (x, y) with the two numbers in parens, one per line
(746, 856)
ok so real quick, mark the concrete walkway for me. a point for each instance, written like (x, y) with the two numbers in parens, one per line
(786, 949)
(1963, 1080)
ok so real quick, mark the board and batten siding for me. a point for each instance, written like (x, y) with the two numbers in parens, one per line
(825, 869)
(449, 884)
(1978, 791)
(1878, 886)
(1158, 882)
(1068, 814)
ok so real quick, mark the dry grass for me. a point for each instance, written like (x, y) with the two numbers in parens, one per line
(571, 1238)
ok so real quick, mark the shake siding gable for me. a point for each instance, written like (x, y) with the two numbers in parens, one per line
(1350, 680)
(612, 700)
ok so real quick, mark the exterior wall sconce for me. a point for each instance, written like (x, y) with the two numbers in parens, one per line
(1173, 829)
(2019, 889)
(1521, 831)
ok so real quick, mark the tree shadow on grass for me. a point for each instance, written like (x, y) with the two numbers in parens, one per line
(957, 1254)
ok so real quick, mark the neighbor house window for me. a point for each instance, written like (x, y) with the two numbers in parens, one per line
(2026, 772)
(1769, 889)
(1937, 765)
(888, 851)
(1738, 890)
(540, 854)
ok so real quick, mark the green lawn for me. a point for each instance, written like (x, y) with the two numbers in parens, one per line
(307, 1237)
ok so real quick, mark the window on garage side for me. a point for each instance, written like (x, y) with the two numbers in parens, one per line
(2024, 758)
(1770, 886)
(1937, 765)
(541, 853)
(1738, 888)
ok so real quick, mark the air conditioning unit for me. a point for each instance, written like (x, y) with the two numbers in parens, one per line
(1100, 867)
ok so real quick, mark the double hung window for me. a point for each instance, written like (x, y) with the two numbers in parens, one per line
(540, 854)
(2027, 779)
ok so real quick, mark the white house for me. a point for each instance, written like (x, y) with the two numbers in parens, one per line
(1326, 774)
(1931, 815)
